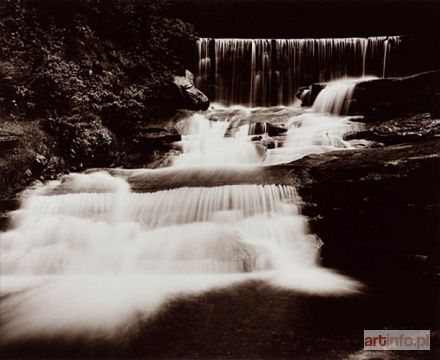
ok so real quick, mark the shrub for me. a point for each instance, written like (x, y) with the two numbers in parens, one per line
(86, 142)
(74, 56)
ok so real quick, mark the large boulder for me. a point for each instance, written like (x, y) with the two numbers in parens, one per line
(389, 97)
(375, 209)
(398, 130)
(187, 95)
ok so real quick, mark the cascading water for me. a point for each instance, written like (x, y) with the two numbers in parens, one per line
(312, 133)
(235, 228)
(265, 72)
(107, 254)
(336, 96)
(239, 136)
(87, 256)
(205, 142)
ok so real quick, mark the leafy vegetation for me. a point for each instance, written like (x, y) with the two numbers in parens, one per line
(86, 73)
(64, 57)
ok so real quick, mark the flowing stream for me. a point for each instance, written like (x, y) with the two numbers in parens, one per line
(88, 255)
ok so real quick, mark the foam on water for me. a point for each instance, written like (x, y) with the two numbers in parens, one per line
(336, 96)
(93, 264)
(220, 229)
(204, 142)
(86, 256)
(227, 136)
(312, 133)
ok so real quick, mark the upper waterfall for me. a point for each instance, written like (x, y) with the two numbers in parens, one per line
(265, 72)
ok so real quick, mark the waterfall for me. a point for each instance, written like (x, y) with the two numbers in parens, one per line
(91, 255)
(233, 228)
(312, 133)
(239, 136)
(86, 261)
(205, 142)
(336, 96)
(265, 72)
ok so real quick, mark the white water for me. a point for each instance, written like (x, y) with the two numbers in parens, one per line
(82, 262)
(205, 142)
(234, 228)
(312, 133)
(87, 257)
(265, 72)
(224, 136)
(336, 96)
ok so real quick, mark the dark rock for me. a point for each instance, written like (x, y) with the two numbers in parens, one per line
(303, 94)
(39, 163)
(387, 97)
(156, 137)
(7, 205)
(260, 128)
(144, 143)
(256, 138)
(269, 143)
(416, 127)
(274, 130)
(8, 141)
(187, 95)
(390, 97)
(374, 207)
(4, 222)
(308, 94)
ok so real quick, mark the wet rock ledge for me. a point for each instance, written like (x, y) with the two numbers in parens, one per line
(376, 209)
(387, 97)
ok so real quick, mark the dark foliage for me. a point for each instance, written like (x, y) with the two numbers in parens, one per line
(78, 78)
(85, 141)
(61, 58)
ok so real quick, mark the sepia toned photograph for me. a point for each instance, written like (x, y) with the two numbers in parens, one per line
(219, 179)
